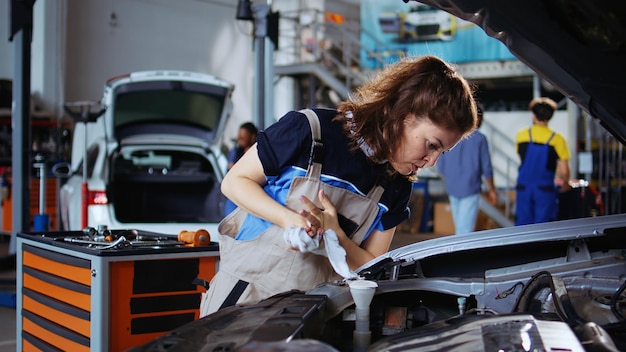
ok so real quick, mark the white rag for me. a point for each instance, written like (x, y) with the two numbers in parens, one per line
(298, 238)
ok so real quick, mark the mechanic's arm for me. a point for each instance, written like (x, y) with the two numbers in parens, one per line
(377, 242)
(493, 195)
(562, 173)
(243, 184)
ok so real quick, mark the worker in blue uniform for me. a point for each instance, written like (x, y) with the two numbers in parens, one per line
(544, 167)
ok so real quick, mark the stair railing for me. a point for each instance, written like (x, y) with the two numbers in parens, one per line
(502, 170)
(334, 47)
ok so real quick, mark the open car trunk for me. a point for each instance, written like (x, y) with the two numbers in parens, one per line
(164, 185)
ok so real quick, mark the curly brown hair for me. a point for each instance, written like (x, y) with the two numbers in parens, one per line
(425, 87)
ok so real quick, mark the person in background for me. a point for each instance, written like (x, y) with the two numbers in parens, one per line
(464, 168)
(365, 159)
(246, 137)
(544, 164)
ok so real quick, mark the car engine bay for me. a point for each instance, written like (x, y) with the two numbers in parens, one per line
(559, 295)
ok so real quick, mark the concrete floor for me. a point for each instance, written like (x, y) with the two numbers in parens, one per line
(7, 333)
(7, 285)
(7, 289)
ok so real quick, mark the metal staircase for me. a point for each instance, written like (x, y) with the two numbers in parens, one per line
(325, 59)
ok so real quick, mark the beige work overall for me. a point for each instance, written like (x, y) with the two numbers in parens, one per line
(265, 265)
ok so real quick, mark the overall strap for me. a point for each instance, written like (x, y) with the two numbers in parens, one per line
(530, 136)
(317, 154)
(235, 294)
(314, 168)
(375, 193)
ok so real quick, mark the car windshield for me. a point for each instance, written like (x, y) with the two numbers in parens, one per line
(185, 106)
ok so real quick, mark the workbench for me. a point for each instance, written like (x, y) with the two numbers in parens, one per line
(77, 297)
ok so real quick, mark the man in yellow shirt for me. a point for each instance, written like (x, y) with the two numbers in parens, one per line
(544, 163)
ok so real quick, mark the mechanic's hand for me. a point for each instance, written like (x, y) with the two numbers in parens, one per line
(562, 185)
(493, 197)
(565, 188)
(320, 219)
(300, 220)
(296, 219)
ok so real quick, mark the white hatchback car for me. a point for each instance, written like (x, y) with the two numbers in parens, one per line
(154, 161)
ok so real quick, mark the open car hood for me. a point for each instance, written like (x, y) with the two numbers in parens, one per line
(592, 32)
(475, 242)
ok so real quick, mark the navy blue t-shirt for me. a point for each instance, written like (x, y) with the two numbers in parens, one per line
(284, 150)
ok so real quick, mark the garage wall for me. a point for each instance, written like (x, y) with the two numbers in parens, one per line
(108, 38)
(105, 38)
